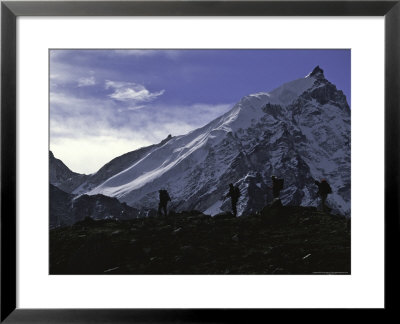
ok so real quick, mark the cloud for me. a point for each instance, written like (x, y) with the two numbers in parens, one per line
(69, 76)
(129, 91)
(88, 81)
(136, 107)
(61, 74)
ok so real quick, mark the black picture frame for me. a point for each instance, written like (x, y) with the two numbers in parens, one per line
(10, 10)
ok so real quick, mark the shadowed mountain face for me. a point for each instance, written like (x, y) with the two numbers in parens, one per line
(60, 207)
(299, 132)
(62, 177)
(67, 209)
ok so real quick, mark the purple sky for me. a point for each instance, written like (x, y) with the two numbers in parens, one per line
(104, 103)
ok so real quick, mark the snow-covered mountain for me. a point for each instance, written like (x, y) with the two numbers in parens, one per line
(299, 131)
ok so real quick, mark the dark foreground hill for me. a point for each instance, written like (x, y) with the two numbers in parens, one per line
(291, 240)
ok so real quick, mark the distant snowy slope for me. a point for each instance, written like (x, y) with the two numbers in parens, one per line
(299, 131)
(116, 166)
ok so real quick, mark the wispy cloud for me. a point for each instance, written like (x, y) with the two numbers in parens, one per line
(129, 91)
(86, 81)
(136, 107)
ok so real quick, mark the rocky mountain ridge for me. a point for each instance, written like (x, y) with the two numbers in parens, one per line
(299, 132)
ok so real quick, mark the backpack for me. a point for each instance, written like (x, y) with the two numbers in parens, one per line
(326, 188)
(164, 196)
(329, 189)
(280, 184)
(237, 192)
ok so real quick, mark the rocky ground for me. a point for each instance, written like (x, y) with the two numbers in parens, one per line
(290, 240)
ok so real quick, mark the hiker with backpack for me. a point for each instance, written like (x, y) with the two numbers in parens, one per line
(234, 194)
(323, 190)
(277, 186)
(164, 198)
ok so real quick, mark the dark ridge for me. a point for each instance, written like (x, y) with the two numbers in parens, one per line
(289, 240)
(67, 209)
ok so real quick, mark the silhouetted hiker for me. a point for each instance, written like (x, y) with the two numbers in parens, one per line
(277, 186)
(234, 193)
(323, 190)
(164, 198)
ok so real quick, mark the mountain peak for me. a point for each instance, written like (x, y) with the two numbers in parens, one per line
(317, 73)
(165, 140)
